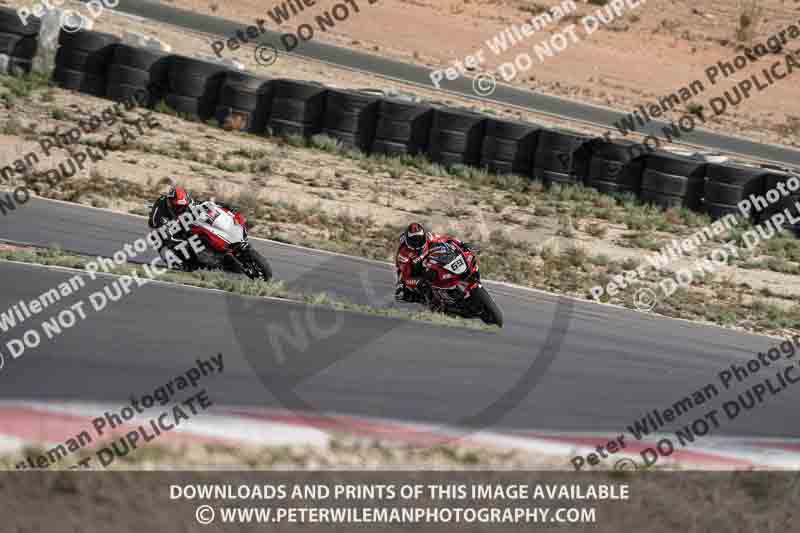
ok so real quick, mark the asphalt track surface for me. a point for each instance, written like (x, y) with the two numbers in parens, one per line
(612, 365)
(342, 57)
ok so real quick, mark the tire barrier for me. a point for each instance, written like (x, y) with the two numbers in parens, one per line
(83, 59)
(20, 50)
(402, 127)
(350, 118)
(455, 136)
(10, 22)
(615, 167)
(671, 180)
(193, 87)
(18, 45)
(791, 202)
(727, 184)
(244, 102)
(561, 157)
(297, 107)
(19, 67)
(75, 80)
(508, 147)
(97, 63)
(137, 73)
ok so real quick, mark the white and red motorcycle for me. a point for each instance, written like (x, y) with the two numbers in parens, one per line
(224, 236)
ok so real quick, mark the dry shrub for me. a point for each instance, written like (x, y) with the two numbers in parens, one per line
(750, 14)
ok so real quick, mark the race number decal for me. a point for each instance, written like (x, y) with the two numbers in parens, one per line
(457, 266)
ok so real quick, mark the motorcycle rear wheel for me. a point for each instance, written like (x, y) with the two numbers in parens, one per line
(489, 312)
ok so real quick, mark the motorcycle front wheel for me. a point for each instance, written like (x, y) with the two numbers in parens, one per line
(490, 313)
(258, 267)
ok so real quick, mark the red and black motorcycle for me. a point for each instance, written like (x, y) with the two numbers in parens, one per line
(453, 284)
(224, 235)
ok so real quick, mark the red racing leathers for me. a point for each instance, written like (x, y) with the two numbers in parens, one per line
(409, 262)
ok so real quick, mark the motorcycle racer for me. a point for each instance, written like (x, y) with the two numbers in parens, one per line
(415, 242)
(167, 208)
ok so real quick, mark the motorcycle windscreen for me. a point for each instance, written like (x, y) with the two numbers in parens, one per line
(443, 254)
(449, 258)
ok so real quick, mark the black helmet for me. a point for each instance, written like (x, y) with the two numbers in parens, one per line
(415, 236)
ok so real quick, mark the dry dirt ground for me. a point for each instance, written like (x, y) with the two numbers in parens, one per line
(646, 53)
(343, 452)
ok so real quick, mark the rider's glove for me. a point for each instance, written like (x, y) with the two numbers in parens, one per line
(470, 246)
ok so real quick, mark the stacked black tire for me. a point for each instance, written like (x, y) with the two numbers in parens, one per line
(672, 180)
(615, 167)
(245, 100)
(193, 86)
(97, 63)
(402, 127)
(508, 147)
(789, 205)
(137, 74)
(297, 108)
(561, 157)
(82, 61)
(350, 118)
(456, 136)
(17, 40)
(727, 184)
